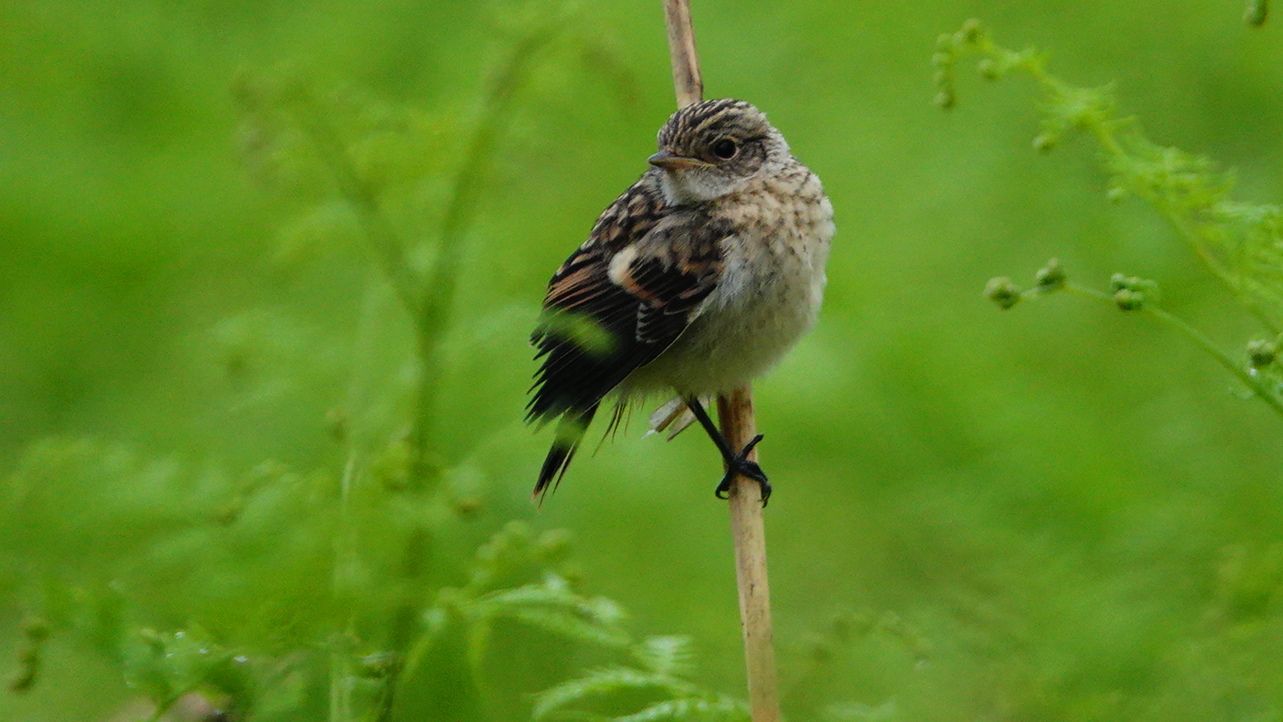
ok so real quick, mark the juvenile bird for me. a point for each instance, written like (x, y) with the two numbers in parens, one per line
(697, 279)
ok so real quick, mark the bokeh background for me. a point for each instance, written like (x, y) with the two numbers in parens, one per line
(1059, 512)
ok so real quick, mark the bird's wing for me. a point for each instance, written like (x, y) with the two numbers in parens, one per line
(622, 298)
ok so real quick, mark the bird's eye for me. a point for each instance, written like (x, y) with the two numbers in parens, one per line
(725, 149)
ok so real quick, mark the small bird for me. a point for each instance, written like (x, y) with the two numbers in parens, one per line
(696, 279)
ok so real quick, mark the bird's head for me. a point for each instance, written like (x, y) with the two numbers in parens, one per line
(711, 148)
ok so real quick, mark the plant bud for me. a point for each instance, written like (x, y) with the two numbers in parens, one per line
(1050, 277)
(1129, 300)
(1003, 292)
(1255, 12)
(1261, 353)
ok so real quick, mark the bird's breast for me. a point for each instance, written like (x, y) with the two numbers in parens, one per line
(769, 292)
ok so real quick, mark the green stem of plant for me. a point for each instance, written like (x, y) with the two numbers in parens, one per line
(1200, 339)
(1105, 131)
(389, 250)
(344, 553)
(436, 297)
(430, 312)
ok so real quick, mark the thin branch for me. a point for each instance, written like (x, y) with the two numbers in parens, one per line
(687, 81)
(735, 413)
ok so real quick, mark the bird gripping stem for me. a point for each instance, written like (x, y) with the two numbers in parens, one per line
(735, 414)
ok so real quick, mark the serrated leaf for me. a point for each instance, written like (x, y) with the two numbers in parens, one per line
(568, 625)
(666, 654)
(604, 682)
(708, 710)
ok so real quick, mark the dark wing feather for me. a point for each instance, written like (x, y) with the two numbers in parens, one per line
(596, 330)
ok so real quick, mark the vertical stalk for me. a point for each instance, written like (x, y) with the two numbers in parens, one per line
(432, 306)
(687, 81)
(341, 673)
(735, 414)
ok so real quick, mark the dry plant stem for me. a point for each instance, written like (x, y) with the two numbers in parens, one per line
(687, 81)
(735, 414)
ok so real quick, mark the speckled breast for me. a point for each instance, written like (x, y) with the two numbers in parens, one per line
(769, 293)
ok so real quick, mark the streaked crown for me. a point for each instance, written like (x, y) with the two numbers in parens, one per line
(728, 140)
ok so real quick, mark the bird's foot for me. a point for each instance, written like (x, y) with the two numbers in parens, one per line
(740, 465)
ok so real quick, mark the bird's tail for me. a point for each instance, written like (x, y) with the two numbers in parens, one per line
(570, 431)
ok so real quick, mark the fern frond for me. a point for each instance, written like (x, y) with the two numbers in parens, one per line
(673, 654)
(604, 682)
(707, 710)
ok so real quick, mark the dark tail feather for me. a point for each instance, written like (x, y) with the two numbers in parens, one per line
(570, 431)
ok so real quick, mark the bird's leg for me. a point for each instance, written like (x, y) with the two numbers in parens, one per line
(736, 462)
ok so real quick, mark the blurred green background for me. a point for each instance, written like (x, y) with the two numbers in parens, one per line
(1059, 512)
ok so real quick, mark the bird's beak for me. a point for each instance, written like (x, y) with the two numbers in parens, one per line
(668, 161)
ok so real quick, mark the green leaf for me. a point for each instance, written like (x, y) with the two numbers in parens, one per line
(604, 682)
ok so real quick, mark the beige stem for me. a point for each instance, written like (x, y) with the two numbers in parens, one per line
(687, 82)
(735, 413)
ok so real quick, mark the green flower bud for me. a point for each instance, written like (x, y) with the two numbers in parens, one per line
(35, 629)
(1261, 353)
(1044, 142)
(1129, 300)
(1131, 292)
(941, 59)
(972, 30)
(944, 99)
(1003, 292)
(1255, 12)
(944, 41)
(1116, 194)
(988, 69)
(1050, 277)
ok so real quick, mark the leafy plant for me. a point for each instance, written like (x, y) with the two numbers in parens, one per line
(345, 588)
(1239, 243)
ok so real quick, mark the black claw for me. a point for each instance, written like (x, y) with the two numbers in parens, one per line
(739, 465)
(735, 463)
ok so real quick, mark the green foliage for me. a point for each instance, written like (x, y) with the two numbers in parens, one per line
(219, 428)
(656, 686)
(348, 540)
(1240, 243)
